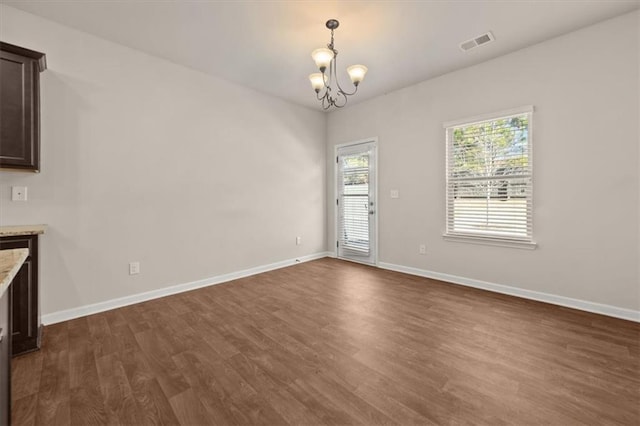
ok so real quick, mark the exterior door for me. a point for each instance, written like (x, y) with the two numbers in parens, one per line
(356, 202)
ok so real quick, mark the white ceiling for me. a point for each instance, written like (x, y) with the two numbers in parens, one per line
(266, 45)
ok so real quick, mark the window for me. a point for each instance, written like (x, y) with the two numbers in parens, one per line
(489, 179)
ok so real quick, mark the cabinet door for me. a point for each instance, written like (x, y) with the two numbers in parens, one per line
(19, 112)
(24, 313)
(5, 364)
(24, 297)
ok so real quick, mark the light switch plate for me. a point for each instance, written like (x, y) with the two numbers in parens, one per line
(18, 193)
(395, 193)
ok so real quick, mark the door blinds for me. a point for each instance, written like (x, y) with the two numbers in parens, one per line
(354, 203)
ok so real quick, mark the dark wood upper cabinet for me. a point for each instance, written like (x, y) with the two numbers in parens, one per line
(20, 70)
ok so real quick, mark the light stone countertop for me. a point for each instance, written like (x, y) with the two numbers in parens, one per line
(16, 230)
(10, 263)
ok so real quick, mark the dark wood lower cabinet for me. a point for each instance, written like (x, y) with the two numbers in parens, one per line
(25, 316)
(5, 364)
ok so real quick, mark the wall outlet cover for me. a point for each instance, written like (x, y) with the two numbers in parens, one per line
(18, 193)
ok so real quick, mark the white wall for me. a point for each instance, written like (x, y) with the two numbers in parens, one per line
(140, 158)
(146, 160)
(585, 88)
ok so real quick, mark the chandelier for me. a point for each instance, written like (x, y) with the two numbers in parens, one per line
(325, 83)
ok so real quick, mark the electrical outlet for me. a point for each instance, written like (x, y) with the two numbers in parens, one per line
(395, 193)
(18, 193)
(298, 241)
(134, 268)
(422, 249)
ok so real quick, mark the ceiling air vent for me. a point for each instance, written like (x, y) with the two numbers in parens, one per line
(477, 41)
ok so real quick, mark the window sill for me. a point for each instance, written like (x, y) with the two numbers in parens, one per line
(488, 241)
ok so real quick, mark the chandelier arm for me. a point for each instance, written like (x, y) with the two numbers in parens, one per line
(327, 88)
(321, 97)
(340, 89)
(332, 69)
(347, 93)
(344, 96)
(328, 102)
(328, 79)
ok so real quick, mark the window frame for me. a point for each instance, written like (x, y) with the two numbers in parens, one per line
(476, 237)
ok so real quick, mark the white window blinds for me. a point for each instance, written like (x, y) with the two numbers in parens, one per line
(353, 226)
(489, 177)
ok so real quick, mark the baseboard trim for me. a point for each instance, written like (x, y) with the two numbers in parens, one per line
(95, 308)
(583, 305)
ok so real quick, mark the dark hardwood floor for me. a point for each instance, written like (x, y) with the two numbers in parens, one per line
(332, 342)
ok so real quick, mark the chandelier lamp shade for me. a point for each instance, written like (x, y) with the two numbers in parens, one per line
(325, 83)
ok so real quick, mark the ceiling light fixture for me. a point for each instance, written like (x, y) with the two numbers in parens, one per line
(325, 83)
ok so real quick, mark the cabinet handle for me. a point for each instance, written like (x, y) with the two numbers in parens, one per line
(1, 334)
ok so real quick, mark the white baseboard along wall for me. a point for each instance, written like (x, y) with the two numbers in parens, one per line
(95, 308)
(583, 305)
(598, 308)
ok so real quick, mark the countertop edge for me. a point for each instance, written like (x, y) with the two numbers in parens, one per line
(18, 230)
(14, 259)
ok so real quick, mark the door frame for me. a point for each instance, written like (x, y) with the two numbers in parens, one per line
(374, 141)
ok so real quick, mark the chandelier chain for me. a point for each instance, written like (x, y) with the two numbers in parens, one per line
(330, 45)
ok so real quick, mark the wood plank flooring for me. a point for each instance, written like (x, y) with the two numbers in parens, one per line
(336, 343)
